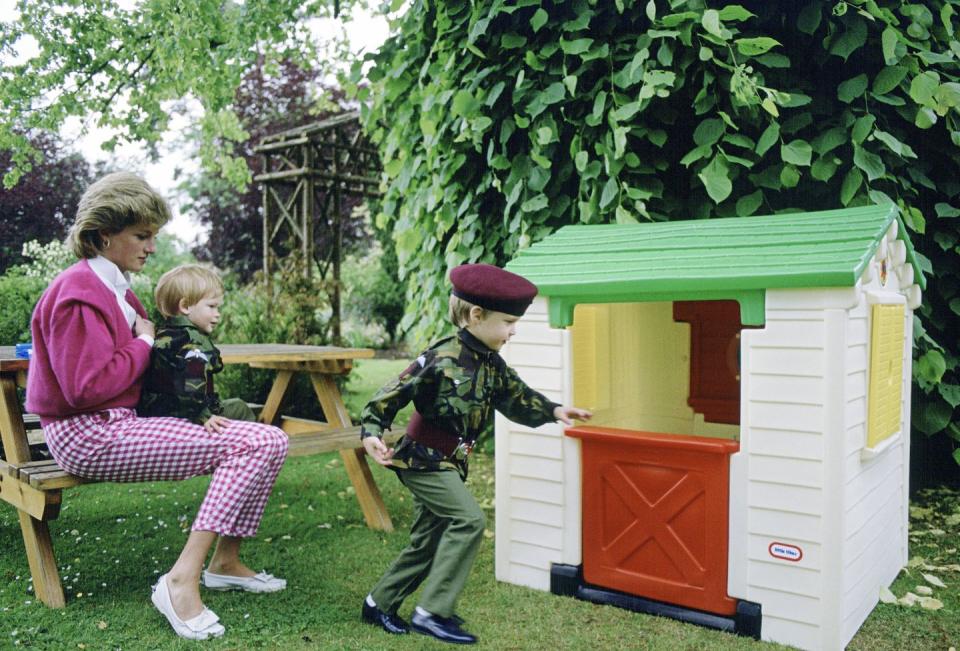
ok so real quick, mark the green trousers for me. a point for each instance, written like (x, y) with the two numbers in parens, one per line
(447, 531)
(237, 409)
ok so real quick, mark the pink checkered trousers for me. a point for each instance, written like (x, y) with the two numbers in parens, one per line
(117, 445)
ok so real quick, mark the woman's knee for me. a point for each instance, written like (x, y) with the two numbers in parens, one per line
(271, 441)
(473, 522)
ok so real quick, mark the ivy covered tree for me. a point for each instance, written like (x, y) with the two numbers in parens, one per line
(270, 99)
(500, 121)
(45, 201)
(120, 66)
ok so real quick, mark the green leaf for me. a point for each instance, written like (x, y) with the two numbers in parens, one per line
(931, 366)
(464, 103)
(715, 180)
(511, 41)
(851, 89)
(868, 162)
(851, 40)
(711, 23)
(768, 138)
(533, 204)
(824, 168)
(735, 13)
(695, 154)
(888, 43)
(933, 418)
(770, 107)
(789, 176)
(610, 191)
(888, 79)
(923, 87)
(851, 183)
(539, 19)
(708, 132)
(809, 18)
(756, 45)
(796, 152)
(748, 205)
(894, 145)
(576, 46)
(554, 93)
(627, 111)
(861, 128)
(651, 10)
(581, 160)
(925, 118)
(945, 210)
(829, 140)
(950, 393)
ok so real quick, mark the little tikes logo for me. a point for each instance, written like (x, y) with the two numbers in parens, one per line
(785, 551)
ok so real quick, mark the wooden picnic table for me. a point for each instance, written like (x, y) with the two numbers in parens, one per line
(34, 487)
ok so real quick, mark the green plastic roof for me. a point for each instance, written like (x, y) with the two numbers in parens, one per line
(735, 258)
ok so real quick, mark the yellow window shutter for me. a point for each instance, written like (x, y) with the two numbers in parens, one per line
(591, 356)
(886, 373)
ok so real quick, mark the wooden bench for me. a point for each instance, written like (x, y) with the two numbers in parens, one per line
(34, 486)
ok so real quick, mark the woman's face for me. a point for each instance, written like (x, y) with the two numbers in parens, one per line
(130, 248)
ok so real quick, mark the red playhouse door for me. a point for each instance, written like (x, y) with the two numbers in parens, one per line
(655, 515)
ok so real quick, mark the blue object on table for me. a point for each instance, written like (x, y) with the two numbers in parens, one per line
(24, 351)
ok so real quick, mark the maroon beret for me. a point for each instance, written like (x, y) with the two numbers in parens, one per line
(493, 288)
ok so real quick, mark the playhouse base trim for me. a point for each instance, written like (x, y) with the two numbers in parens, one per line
(567, 581)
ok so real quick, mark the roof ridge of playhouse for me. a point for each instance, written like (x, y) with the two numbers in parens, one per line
(735, 258)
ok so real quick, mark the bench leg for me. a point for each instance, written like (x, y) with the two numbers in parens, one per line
(354, 460)
(43, 565)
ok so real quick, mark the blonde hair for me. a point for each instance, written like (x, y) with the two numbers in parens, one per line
(111, 204)
(459, 311)
(189, 283)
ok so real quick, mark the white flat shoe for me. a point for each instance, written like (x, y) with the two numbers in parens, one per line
(261, 582)
(201, 627)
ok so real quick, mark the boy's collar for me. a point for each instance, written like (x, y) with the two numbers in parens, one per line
(180, 321)
(473, 343)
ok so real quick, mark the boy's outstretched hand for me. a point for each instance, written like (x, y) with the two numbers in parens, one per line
(376, 448)
(566, 414)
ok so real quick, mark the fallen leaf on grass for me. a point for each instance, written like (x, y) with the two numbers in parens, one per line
(908, 599)
(924, 590)
(102, 625)
(932, 580)
(887, 597)
(929, 603)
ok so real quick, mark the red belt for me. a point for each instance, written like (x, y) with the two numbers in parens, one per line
(428, 433)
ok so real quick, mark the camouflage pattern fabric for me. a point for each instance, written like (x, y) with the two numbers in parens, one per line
(456, 384)
(179, 381)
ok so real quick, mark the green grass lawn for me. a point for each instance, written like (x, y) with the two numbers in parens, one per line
(113, 540)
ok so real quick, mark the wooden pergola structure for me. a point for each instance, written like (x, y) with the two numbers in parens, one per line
(307, 173)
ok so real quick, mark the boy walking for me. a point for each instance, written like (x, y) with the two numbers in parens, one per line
(455, 385)
(184, 360)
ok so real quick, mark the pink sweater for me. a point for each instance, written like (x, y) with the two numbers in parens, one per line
(85, 357)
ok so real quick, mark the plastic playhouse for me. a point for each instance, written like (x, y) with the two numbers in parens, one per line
(747, 464)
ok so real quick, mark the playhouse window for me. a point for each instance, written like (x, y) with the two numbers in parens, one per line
(886, 373)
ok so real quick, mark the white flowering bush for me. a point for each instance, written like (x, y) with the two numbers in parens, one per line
(46, 260)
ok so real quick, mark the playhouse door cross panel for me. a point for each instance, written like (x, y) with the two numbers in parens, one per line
(652, 522)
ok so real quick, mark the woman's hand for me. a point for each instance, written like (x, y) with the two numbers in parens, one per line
(142, 326)
(566, 414)
(216, 424)
(378, 450)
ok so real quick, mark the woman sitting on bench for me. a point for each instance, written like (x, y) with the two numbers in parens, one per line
(91, 345)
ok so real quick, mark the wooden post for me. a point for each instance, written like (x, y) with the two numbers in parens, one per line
(354, 460)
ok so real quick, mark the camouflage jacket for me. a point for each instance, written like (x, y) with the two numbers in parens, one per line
(179, 381)
(456, 384)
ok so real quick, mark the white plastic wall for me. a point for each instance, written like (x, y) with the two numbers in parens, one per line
(537, 470)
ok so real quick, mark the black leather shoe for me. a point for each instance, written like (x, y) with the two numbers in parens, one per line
(390, 622)
(442, 628)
